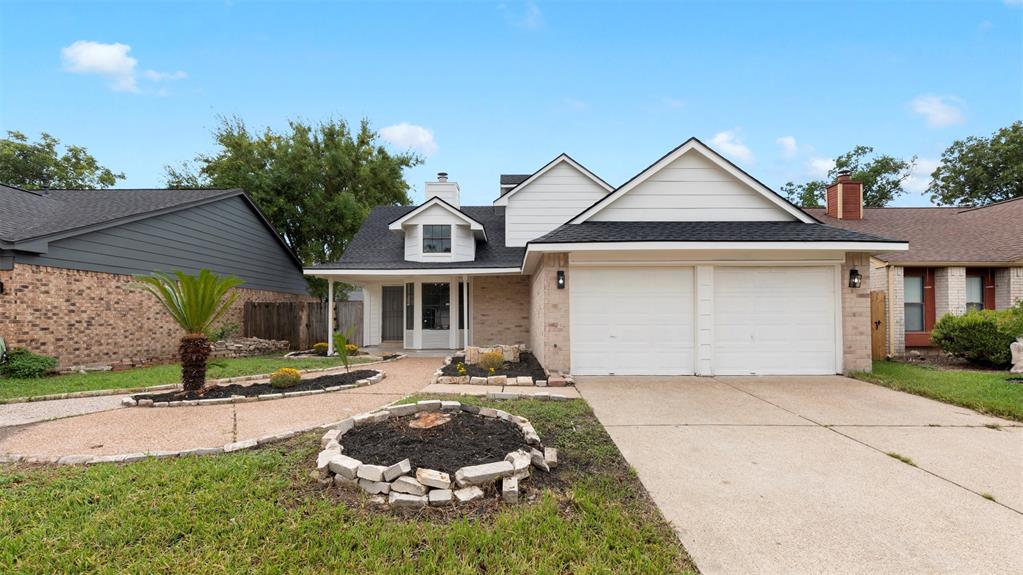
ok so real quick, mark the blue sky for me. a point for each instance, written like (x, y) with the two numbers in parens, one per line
(484, 88)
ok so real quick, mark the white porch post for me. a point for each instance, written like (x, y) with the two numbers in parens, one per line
(453, 317)
(330, 317)
(465, 312)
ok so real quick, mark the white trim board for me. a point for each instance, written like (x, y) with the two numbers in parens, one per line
(411, 272)
(475, 226)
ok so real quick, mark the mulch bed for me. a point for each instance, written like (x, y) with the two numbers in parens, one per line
(217, 392)
(526, 366)
(465, 440)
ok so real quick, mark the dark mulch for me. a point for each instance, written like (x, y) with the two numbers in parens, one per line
(526, 366)
(321, 382)
(465, 440)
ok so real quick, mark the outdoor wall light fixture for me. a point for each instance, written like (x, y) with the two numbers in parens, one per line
(561, 279)
(855, 279)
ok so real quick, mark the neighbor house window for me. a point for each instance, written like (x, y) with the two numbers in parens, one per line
(410, 306)
(914, 294)
(436, 306)
(436, 239)
(974, 293)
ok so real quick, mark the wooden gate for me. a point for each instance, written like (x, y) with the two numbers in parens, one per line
(301, 323)
(348, 315)
(878, 325)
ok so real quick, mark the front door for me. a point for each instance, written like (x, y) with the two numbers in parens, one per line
(393, 316)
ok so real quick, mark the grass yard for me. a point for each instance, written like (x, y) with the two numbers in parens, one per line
(155, 375)
(984, 391)
(260, 511)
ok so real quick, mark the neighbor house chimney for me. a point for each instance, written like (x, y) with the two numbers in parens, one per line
(443, 189)
(845, 198)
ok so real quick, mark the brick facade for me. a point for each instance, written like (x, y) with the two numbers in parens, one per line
(856, 315)
(549, 326)
(1008, 287)
(949, 291)
(500, 310)
(82, 317)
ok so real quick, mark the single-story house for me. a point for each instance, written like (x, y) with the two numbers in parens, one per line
(67, 259)
(958, 259)
(690, 267)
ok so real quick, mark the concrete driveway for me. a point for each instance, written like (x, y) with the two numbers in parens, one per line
(791, 474)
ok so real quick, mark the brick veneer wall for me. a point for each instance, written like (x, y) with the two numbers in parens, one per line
(949, 291)
(897, 309)
(83, 317)
(500, 310)
(1008, 287)
(549, 328)
(856, 315)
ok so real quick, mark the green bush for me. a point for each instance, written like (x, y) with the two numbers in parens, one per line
(492, 360)
(320, 348)
(285, 377)
(981, 337)
(23, 364)
(225, 331)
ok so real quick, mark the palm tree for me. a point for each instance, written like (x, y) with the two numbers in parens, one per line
(196, 303)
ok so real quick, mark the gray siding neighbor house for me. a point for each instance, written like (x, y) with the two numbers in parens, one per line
(67, 258)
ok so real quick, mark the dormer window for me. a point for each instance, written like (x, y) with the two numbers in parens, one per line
(436, 239)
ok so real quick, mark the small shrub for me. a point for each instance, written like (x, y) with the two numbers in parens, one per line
(320, 348)
(492, 360)
(285, 377)
(344, 348)
(23, 364)
(223, 332)
(352, 349)
(461, 368)
(981, 337)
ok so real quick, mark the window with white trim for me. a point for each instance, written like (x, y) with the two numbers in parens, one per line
(436, 239)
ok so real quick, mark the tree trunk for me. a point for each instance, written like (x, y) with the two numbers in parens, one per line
(195, 352)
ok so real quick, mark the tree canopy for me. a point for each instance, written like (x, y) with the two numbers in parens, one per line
(40, 165)
(882, 177)
(314, 183)
(977, 171)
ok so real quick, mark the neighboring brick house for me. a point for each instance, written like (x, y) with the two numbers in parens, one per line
(958, 259)
(67, 259)
(690, 267)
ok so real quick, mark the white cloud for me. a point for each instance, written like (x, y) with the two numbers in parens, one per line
(411, 136)
(729, 144)
(530, 18)
(920, 178)
(111, 61)
(819, 167)
(575, 104)
(1013, 2)
(788, 146)
(939, 111)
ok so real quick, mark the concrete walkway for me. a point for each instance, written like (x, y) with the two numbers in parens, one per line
(12, 414)
(139, 429)
(790, 475)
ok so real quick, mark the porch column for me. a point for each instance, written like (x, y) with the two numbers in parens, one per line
(465, 312)
(453, 313)
(330, 317)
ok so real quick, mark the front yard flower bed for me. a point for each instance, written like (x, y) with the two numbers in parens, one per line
(527, 366)
(433, 453)
(258, 391)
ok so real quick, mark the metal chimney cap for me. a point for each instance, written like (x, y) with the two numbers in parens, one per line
(442, 176)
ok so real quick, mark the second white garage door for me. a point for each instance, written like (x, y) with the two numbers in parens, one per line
(777, 320)
(631, 321)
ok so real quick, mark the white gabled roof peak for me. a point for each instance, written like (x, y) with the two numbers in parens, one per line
(561, 158)
(473, 224)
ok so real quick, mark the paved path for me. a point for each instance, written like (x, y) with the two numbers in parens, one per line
(177, 428)
(35, 411)
(790, 475)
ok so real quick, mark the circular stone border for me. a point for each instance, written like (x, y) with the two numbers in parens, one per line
(427, 486)
(132, 402)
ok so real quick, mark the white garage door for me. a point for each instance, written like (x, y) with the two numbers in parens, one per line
(774, 320)
(631, 321)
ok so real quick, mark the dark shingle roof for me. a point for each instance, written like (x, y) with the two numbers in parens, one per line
(376, 247)
(987, 234)
(513, 179)
(588, 232)
(26, 215)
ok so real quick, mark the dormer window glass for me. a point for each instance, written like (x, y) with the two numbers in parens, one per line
(436, 239)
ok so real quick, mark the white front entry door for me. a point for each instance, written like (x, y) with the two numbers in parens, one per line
(774, 320)
(631, 321)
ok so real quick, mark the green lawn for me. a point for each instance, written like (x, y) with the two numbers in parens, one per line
(260, 511)
(156, 375)
(983, 391)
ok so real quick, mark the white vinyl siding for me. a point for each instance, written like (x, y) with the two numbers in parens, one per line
(774, 320)
(463, 242)
(548, 202)
(631, 321)
(692, 188)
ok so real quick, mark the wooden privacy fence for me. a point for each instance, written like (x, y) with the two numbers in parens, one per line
(301, 323)
(878, 325)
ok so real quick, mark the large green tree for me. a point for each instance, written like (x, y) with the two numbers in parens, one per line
(882, 176)
(315, 183)
(977, 171)
(41, 165)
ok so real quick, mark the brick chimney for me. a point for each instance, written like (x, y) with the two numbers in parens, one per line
(845, 198)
